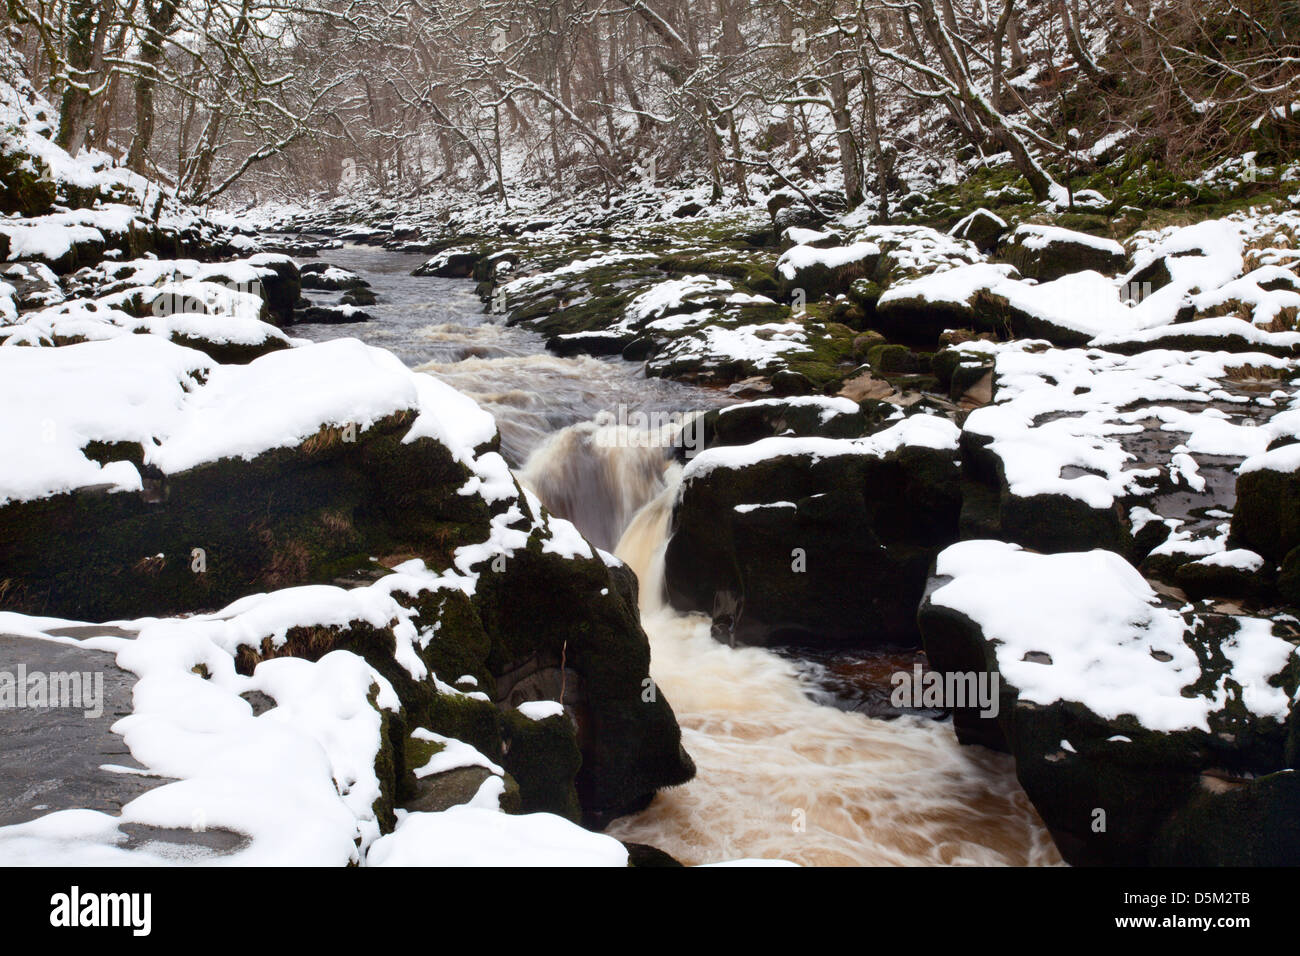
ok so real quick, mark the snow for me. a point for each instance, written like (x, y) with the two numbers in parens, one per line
(333, 275)
(454, 755)
(746, 509)
(49, 238)
(1266, 305)
(965, 221)
(672, 295)
(201, 311)
(297, 782)
(57, 400)
(283, 398)
(541, 709)
(799, 258)
(802, 237)
(1100, 623)
(1037, 237)
(1239, 559)
(830, 407)
(1071, 407)
(1226, 327)
(565, 539)
(925, 431)
(1283, 459)
(450, 417)
(472, 836)
(766, 345)
(1203, 256)
(956, 286)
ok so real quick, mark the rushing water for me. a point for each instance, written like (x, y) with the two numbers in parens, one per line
(439, 326)
(781, 772)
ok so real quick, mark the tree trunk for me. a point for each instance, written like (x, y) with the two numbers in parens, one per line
(158, 17)
(75, 102)
(850, 161)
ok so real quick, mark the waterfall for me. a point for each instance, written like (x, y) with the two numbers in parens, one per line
(597, 476)
(781, 775)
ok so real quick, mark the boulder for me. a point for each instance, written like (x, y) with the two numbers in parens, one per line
(321, 275)
(1267, 515)
(174, 484)
(814, 540)
(819, 273)
(281, 285)
(1050, 252)
(982, 228)
(35, 284)
(330, 315)
(789, 417)
(1123, 712)
(920, 311)
(359, 296)
(454, 263)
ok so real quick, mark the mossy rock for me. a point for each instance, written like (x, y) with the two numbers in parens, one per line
(389, 763)
(288, 516)
(751, 422)
(1251, 823)
(543, 756)
(596, 662)
(28, 188)
(1266, 518)
(887, 359)
(831, 355)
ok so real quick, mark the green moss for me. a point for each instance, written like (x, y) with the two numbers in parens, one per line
(889, 359)
(459, 645)
(543, 757)
(943, 363)
(476, 722)
(831, 357)
(388, 763)
(28, 190)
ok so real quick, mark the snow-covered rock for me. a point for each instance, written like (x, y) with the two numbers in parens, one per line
(815, 539)
(983, 228)
(1267, 514)
(320, 275)
(1128, 717)
(818, 272)
(141, 478)
(1075, 439)
(1050, 252)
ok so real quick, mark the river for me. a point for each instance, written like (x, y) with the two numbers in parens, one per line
(789, 765)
